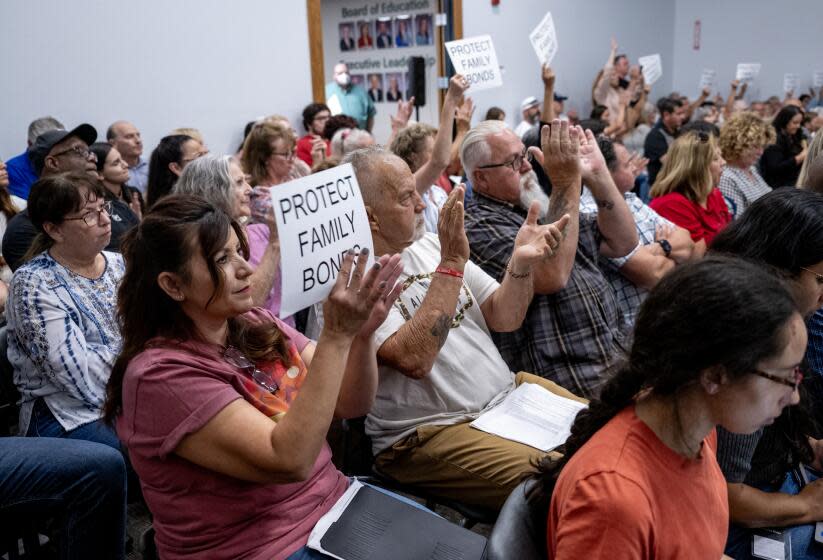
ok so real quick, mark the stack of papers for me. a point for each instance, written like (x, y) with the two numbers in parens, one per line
(532, 415)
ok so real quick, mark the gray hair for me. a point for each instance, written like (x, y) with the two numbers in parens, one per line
(475, 149)
(41, 125)
(347, 140)
(209, 178)
(364, 161)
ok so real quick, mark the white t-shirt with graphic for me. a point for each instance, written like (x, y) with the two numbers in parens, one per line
(468, 377)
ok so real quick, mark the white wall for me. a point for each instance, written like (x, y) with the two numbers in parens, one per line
(584, 28)
(782, 36)
(209, 64)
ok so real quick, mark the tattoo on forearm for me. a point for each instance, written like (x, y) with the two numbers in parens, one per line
(440, 329)
(605, 204)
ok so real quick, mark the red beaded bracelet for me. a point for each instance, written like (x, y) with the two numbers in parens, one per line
(449, 271)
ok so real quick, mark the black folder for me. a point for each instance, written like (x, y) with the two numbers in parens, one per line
(376, 526)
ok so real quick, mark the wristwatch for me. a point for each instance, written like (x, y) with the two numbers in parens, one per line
(667, 247)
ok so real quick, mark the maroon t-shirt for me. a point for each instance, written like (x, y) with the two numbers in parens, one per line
(171, 390)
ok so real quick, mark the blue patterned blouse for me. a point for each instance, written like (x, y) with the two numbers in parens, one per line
(63, 337)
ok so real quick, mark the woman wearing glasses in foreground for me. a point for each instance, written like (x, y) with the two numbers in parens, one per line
(63, 333)
(782, 230)
(223, 407)
(716, 343)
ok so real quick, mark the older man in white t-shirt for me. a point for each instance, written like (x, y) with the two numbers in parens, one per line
(439, 368)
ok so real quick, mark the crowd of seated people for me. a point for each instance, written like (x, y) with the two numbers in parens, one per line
(659, 262)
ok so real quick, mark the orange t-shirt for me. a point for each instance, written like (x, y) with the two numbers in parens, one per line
(625, 494)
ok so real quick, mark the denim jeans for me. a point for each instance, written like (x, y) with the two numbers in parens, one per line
(44, 424)
(80, 484)
(307, 553)
(804, 547)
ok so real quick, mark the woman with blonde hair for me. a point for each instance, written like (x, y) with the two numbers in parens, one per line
(685, 189)
(815, 149)
(742, 141)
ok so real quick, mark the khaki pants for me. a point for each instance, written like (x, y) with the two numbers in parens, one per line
(463, 463)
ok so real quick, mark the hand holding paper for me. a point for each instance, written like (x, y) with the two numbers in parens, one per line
(544, 40)
(476, 59)
(652, 67)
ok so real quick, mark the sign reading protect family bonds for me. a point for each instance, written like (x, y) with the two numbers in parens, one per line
(544, 40)
(319, 218)
(652, 66)
(476, 60)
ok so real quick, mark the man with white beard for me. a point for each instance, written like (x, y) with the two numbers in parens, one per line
(572, 331)
(439, 370)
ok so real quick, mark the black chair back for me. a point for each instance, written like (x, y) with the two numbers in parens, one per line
(516, 533)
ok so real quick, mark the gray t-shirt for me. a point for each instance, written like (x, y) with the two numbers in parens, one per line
(468, 377)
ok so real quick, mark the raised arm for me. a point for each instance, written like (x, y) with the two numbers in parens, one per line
(548, 77)
(401, 118)
(429, 172)
(534, 244)
(462, 125)
(614, 219)
(413, 349)
(728, 109)
(241, 442)
(559, 156)
(704, 95)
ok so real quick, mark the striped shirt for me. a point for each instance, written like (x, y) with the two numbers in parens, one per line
(63, 337)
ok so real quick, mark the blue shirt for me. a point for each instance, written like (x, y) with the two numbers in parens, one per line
(139, 175)
(21, 175)
(814, 351)
(354, 102)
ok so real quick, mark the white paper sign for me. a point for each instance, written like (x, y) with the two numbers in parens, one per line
(707, 79)
(790, 82)
(319, 218)
(652, 67)
(817, 78)
(476, 60)
(544, 40)
(747, 71)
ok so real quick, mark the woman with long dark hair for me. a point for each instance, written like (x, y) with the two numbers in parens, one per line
(10, 205)
(780, 163)
(224, 408)
(783, 231)
(167, 162)
(717, 342)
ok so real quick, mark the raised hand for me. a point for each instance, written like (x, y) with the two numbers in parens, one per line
(547, 75)
(404, 111)
(535, 242)
(390, 270)
(454, 245)
(457, 87)
(559, 154)
(614, 45)
(352, 299)
(735, 84)
(592, 161)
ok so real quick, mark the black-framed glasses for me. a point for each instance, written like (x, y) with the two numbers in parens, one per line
(77, 151)
(92, 217)
(816, 275)
(236, 358)
(794, 384)
(515, 163)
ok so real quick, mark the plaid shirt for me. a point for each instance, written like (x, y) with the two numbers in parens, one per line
(739, 189)
(570, 336)
(629, 296)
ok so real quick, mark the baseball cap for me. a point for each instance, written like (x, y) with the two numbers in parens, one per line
(530, 101)
(48, 140)
(560, 98)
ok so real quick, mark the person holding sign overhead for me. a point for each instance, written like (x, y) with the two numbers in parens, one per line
(223, 407)
(439, 368)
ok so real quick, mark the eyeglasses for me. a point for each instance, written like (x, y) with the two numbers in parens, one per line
(816, 275)
(798, 377)
(288, 155)
(92, 217)
(77, 151)
(516, 162)
(198, 155)
(236, 358)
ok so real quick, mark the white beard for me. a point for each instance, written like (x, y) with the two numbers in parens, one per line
(419, 227)
(530, 191)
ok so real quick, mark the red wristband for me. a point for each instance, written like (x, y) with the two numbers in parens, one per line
(449, 271)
